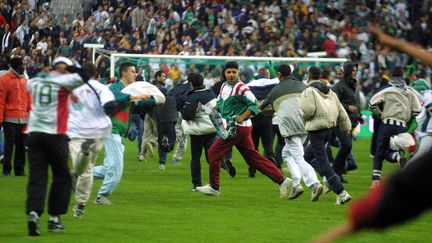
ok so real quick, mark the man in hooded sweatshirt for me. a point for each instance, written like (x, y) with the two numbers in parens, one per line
(322, 112)
(399, 105)
(345, 89)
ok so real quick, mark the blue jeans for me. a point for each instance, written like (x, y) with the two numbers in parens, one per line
(136, 130)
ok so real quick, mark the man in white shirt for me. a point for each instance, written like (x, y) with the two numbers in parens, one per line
(92, 102)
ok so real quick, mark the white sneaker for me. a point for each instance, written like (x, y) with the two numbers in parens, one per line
(326, 186)
(102, 200)
(317, 190)
(375, 183)
(342, 198)
(285, 187)
(296, 192)
(207, 190)
(78, 211)
(141, 157)
(175, 161)
(161, 167)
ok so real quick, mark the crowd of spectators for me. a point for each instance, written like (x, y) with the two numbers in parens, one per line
(279, 28)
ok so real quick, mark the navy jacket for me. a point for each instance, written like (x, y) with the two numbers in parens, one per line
(192, 99)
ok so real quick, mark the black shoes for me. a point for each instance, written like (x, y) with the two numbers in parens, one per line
(33, 224)
(228, 166)
(54, 226)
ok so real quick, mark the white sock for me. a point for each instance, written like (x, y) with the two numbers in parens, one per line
(55, 219)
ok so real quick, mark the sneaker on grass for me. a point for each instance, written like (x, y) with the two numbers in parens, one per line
(207, 190)
(296, 192)
(317, 190)
(33, 224)
(102, 200)
(343, 198)
(78, 210)
(285, 187)
(228, 166)
(55, 225)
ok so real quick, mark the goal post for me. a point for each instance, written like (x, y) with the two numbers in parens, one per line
(209, 61)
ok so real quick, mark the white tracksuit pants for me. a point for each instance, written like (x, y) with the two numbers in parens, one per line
(292, 154)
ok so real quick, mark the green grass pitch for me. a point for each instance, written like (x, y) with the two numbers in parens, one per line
(157, 206)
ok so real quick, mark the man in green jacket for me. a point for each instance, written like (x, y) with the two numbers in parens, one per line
(112, 168)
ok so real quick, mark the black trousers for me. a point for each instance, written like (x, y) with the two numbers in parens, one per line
(198, 143)
(262, 129)
(48, 149)
(166, 129)
(14, 138)
(279, 146)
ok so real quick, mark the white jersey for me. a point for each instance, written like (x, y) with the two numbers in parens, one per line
(50, 95)
(87, 118)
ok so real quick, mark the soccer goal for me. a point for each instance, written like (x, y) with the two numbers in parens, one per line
(178, 66)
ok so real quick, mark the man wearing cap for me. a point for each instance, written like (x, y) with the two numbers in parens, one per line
(48, 143)
(236, 101)
(15, 102)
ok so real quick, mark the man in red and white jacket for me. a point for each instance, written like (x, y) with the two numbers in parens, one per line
(15, 103)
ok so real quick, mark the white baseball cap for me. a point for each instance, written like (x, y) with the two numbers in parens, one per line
(64, 60)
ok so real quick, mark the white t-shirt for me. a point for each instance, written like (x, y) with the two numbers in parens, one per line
(87, 118)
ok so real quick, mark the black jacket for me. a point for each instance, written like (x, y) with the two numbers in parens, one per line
(168, 111)
(193, 99)
(345, 90)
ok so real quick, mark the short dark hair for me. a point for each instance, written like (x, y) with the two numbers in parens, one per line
(314, 72)
(195, 79)
(421, 74)
(231, 64)
(284, 70)
(124, 66)
(262, 72)
(325, 74)
(398, 72)
(90, 69)
(158, 74)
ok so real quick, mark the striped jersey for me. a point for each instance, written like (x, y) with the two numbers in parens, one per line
(87, 118)
(50, 94)
(235, 99)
